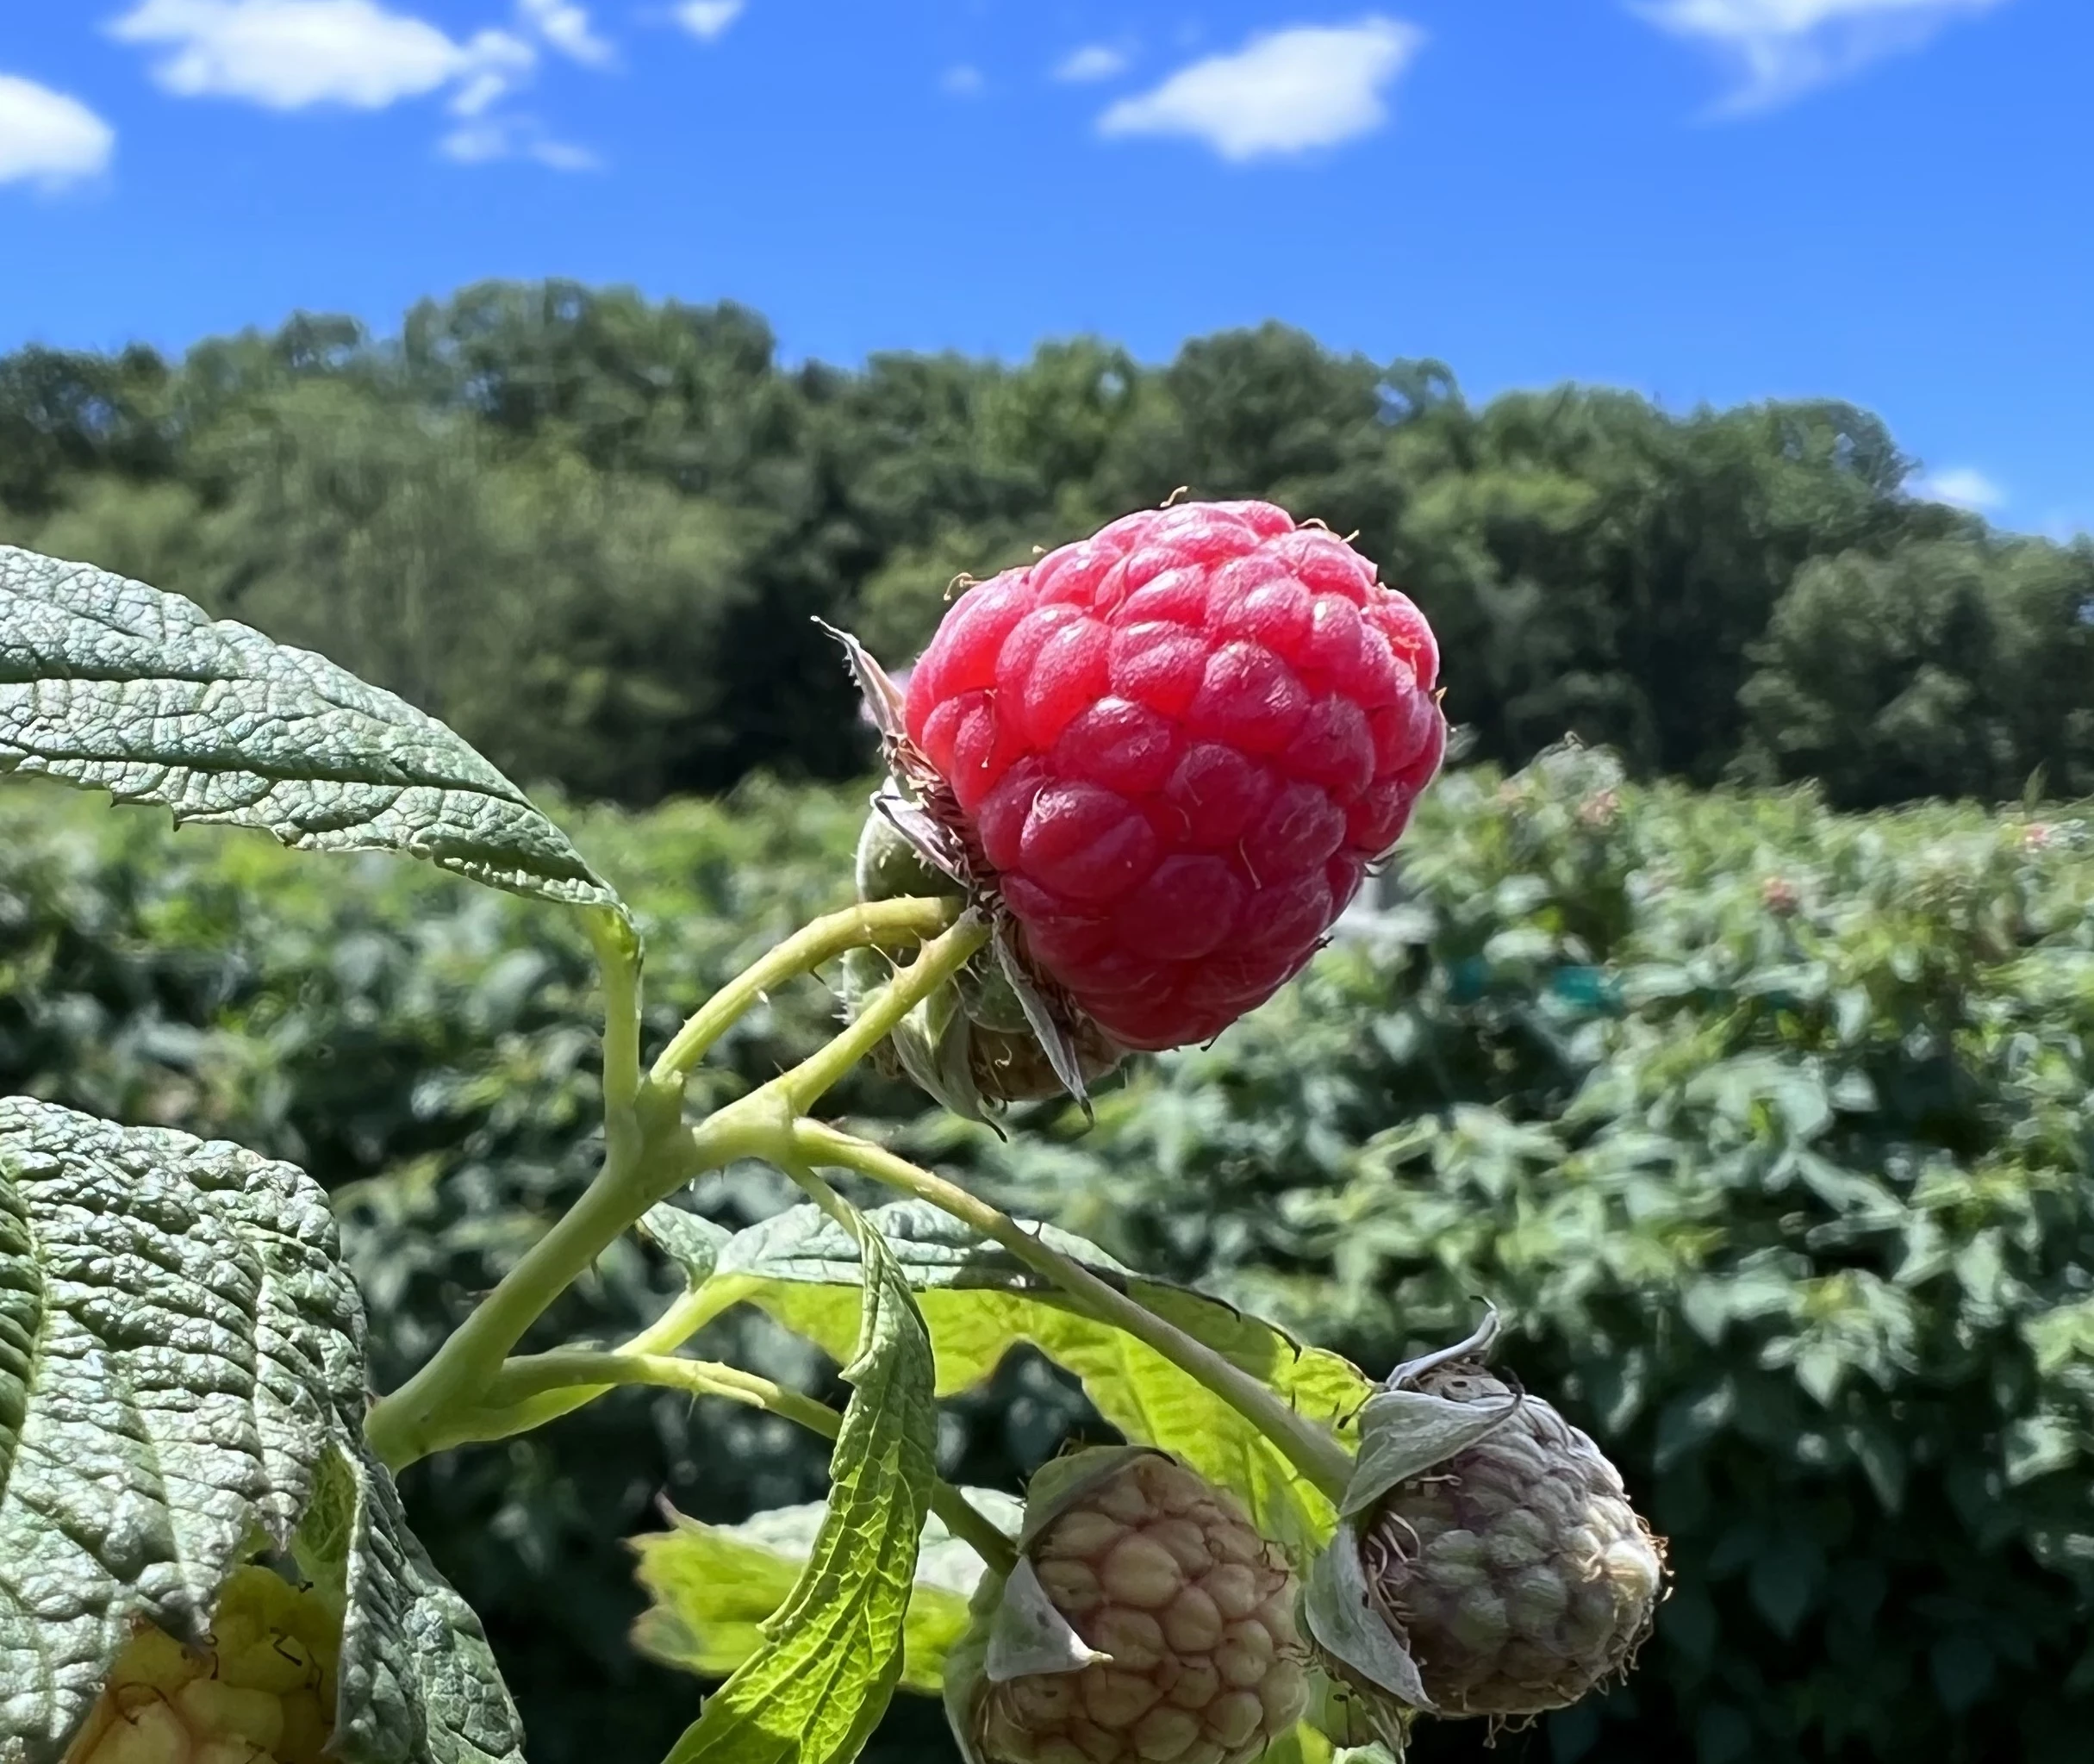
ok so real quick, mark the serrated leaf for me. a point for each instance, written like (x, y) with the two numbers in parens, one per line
(110, 684)
(979, 1303)
(715, 1586)
(832, 1655)
(182, 1377)
(418, 1681)
(178, 1344)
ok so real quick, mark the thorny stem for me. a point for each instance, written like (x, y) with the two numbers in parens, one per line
(543, 1374)
(881, 924)
(501, 1416)
(473, 1352)
(1312, 1451)
(467, 1392)
(405, 1425)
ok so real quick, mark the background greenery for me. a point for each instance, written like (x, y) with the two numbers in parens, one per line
(1768, 1127)
(590, 532)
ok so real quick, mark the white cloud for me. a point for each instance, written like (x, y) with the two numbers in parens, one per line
(49, 139)
(1284, 92)
(566, 26)
(1963, 486)
(495, 64)
(1781, 48)
(707, 19)
(962, 82)
(294, 54)
(483, 139)
(287, 54)
(1093, 61)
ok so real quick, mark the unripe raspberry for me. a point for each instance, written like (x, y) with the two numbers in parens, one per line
(1148, 1623)
(1169, 751)
(1523, 1576)
(1494, 1546)
(261, 1691)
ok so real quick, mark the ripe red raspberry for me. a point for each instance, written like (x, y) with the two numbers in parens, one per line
(1174, 748)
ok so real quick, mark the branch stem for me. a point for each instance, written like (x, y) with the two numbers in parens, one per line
(940, 959)
(647, 1151)
(1315, 1453)
(542, 1374)
(403, 1427)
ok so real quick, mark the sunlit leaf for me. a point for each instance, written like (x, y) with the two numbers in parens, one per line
(980, 1304)
(832, 1655)
(181, 1381)
(110, 684)
(715, 1586)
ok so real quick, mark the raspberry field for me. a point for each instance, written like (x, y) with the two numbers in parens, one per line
(1767, 1129)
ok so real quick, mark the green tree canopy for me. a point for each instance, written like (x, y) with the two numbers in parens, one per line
(593, 531)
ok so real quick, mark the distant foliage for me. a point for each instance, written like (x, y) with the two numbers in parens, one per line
(1767, 1129)
(591, 531)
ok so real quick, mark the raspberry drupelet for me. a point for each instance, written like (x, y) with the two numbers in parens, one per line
(1174, 748)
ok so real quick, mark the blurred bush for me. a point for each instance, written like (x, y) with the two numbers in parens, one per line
(1767, 1128)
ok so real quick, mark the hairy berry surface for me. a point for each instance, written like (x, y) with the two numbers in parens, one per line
(1177, 745)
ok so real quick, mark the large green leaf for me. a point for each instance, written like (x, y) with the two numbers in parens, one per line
(832, 1655)
(110, 684)
(181, 1364)
(715, 1586)
(418, 1682)
(980, 1302)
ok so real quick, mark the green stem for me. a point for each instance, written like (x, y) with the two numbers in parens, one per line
(498, 1419)
(617, 960)
(880, 923)
(1312, 1451)
(541, 1375)
(971, 1526)
(940, 959)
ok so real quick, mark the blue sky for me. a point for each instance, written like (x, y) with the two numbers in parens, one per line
(1888, 200)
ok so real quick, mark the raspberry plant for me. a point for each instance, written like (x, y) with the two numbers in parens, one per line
(1131, 787)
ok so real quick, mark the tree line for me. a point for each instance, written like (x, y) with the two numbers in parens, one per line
(592, 531)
